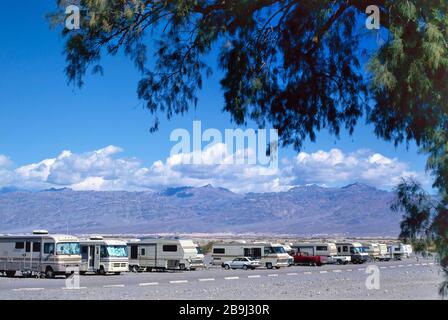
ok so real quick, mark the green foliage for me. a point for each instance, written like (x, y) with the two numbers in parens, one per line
(293, 64)
(425, 222)
(207, 248)
(410, 73)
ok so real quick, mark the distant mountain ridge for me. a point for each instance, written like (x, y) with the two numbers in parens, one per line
(356, 209)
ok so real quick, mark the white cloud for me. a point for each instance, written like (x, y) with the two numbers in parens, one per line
(335, 168)
(4, 161)
(103, 169)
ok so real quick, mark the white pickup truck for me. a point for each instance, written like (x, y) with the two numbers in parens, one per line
(339, 259)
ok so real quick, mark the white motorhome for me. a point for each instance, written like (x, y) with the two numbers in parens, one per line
(355, 250)
(327, 252)
(373, 250)
(399, 251)
(160, 254)
(200, 256)
(290, 253)
(270, 255)
(39, 253)
(103, 256)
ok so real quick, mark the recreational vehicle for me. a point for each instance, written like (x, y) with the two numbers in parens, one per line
(373, 250)
(355, 250)
(39, 253)
(290, 253)
(200, 256)
(326, 252)
(383, 254)
(103, 256)
(270, 255)
(399, 251)
(161, 254)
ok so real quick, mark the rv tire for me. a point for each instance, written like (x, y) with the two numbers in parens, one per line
(268, 265)
(10, 274)
(101, 271)
(49, 273)
(182, 266)
(117, 273)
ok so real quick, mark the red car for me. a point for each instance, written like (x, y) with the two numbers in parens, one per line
(303, 258)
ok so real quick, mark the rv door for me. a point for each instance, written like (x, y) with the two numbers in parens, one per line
(96, 262)
(28, 256)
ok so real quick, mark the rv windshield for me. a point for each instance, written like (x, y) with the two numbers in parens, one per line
(357, 250)
(67, 248)
(117, 251)
(279, 249)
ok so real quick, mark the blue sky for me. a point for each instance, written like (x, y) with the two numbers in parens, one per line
(40, 115)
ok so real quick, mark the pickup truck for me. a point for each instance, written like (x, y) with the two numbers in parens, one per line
(339, 259)
(301, 258)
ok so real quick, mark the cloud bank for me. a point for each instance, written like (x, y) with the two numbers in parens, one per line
(105, 170)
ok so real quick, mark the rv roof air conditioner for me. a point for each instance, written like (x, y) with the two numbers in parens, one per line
(40, 232)
(96, 238)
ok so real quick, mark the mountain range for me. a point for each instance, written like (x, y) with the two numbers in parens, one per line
(355, 210)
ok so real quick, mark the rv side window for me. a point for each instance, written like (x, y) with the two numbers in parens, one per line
(268, 250)
(103, 252)
(345, 248)
(49, 248)
(143, 252)
(219, 250)
(28, 246)
(321, 248)
(339, 249)
(84, 249)
(36, 246)
(169, 248)
(20, 245)
(134, 252)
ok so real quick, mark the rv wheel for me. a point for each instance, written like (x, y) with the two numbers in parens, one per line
(10, 274)
(49, 273)
(182, 266)
(102, 271)
(269, 265)
(134, 268)
(339, 261)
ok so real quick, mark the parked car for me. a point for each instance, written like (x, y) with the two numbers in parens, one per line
(302, 258)
(241, 263)
(339, 259)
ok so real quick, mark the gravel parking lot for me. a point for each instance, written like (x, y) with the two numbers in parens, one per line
(407, 279)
